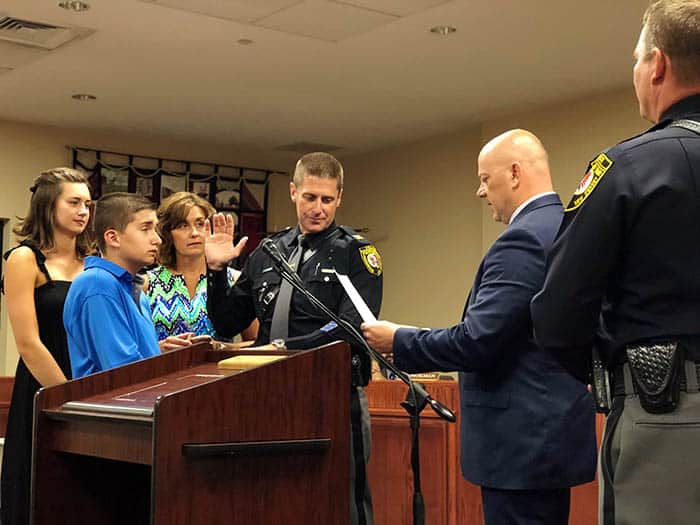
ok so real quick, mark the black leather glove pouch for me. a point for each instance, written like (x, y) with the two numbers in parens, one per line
(657, 370)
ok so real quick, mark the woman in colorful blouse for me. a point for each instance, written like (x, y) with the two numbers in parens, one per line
(177, 289)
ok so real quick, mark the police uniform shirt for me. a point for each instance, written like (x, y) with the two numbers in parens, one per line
(626, 263)
(337, 248)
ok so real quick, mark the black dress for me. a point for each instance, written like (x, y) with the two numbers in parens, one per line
(17, 454)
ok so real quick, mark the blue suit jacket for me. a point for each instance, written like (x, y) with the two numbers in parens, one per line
(525, 422)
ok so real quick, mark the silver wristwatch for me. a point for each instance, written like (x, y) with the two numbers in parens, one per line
(279, 344)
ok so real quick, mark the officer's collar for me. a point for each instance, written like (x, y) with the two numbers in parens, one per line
(679, 110)
(312, 240)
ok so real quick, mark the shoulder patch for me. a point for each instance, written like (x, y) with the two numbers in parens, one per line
(371, 259)
(597, 169)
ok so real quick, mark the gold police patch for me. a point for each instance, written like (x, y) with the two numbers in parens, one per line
(372, 260)
(598, 168)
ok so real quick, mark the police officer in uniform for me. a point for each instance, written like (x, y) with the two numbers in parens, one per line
(624, 280)
(317, 247)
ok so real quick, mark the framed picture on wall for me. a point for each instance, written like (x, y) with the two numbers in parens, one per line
(170, 184)
(201, 188)
(95, 182)
(228, 195)
(144, 186)
(114, 179)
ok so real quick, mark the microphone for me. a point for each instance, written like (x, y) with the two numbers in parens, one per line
(288, 273)
(280, 262)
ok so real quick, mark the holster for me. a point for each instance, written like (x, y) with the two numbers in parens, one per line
(657, 370)
(360, 368)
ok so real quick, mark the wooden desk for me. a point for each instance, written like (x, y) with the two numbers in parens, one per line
(449, 498)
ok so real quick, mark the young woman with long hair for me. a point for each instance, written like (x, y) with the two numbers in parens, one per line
(53, 241)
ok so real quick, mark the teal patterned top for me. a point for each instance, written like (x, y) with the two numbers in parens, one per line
(172, 309)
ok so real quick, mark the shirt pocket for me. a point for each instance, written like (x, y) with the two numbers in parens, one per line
(324, 285)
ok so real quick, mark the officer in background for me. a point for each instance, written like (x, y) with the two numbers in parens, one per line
(624, 279)
(317, 247)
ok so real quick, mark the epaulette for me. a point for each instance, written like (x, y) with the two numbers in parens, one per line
(354, 235)
(275, 235)
(280, 233)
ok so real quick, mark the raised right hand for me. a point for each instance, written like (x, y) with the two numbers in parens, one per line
(218, 241)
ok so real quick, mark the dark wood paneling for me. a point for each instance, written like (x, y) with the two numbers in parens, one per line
(584, 498)
(394, 506)
(449, 498)
(6, 384)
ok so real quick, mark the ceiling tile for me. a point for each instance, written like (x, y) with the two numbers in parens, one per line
(238, 10)
(332, 21)
(395, 7)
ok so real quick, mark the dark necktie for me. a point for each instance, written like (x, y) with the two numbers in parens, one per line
(279, 328)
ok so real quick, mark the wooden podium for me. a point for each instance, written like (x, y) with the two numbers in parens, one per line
(175, 440)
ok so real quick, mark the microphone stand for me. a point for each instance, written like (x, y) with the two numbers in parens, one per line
(417, 397)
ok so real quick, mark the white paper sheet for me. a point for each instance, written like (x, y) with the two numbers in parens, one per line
(357, 300)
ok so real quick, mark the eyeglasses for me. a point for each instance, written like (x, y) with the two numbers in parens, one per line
(185, 226)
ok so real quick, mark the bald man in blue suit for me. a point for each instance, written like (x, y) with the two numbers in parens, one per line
(527, 426)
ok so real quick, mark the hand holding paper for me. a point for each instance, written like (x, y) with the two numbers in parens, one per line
(380, 335)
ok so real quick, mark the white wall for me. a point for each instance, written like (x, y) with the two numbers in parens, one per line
(418, 199)
(419, 204)
(573, 134)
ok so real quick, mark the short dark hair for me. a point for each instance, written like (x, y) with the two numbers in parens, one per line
(115, 211)
(172, 212)
(318, 164)
(37, 226)
(673, 26)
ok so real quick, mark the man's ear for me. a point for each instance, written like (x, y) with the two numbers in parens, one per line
(660, 65)
(516, 172)
(111, 238)
(340, 197)
(292, 192)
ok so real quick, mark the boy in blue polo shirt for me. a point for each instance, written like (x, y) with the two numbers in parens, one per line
(106, 315)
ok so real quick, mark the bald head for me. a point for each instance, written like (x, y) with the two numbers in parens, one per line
(512, 168)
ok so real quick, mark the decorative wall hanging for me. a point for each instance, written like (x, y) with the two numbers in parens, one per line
(240, 191)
